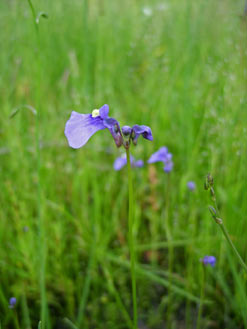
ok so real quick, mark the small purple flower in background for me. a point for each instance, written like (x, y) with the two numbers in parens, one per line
(12, 302)
(25, 228)
(120, 162)
(191, 185)
(208, 260)
(162, 155)
(80, 127)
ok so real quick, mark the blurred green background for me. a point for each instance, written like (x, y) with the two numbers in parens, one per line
(177, 66)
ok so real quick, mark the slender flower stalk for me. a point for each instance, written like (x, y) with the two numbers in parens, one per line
(206, 261)
(12, 304)
(162, 155)
(131, 239)
(216, 216)
(91, 257)
(168, 229)
(87, 284)
(41, 228)
(202, 296)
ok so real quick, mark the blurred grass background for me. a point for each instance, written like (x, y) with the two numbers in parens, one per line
(177, 66)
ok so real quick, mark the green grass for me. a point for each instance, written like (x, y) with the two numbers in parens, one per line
(182, 71)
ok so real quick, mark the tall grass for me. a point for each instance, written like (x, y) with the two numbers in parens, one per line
(177, 66)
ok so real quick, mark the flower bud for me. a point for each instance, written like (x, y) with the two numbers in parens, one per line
(212, 211)
(126, 130)
(210, 180)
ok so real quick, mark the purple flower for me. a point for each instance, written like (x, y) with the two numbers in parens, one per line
(12, 302)
(80, 127)
(191, 185)
(145, 131)
(208, 260)
(120, 162)
(162, 155)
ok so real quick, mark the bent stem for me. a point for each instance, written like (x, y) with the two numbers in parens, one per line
(131, 239)
(223, 229)
(216, 216)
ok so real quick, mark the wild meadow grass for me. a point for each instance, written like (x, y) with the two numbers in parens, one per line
(176, 66)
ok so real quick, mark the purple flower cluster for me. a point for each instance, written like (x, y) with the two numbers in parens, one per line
(162, 155)
(80, 127)
(208, 260)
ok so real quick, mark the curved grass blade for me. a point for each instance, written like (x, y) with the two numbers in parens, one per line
(70, 323)
(21, 107)
(41, 14)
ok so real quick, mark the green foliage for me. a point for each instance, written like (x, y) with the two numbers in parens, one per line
(177, 66)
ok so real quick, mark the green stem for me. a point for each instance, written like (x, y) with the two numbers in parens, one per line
(17, 325)
(86, 288)
(41, 228)
(116, 294)
(92, 255)
(170, 252)
(223, 229)
(190, 267)
(202, 294)
(131, 239)
(33, 11)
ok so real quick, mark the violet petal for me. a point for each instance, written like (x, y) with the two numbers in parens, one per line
(80, 127)
(191, 185)
(119, 163)
(168, 166)
(114, 128)
(103, 111)
(12, 302)
(138, 164)
(160, 155)
(145, 131)
(209, 260)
